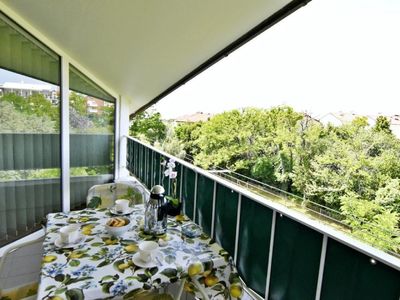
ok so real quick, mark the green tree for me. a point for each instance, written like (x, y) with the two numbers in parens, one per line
(388, 196)
(171, 144)
(36, 104)
(382, 125)
(78, 102)
(353, 159)
(148, 126)
(14, 121)
(352, 168)
(371, 222)
(256, 142)
(188, 134)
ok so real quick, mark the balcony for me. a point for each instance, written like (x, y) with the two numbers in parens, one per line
(129, 60)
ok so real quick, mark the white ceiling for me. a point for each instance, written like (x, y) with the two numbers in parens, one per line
(139, 48)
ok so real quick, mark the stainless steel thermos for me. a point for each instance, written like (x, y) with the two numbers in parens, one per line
(155, 215)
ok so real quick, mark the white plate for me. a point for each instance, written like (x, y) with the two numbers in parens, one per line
(140, 263)
(115, 212)
(59, 244)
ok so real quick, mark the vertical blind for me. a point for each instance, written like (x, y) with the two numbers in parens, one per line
(29, 161)
(23, 54)
(80, 83)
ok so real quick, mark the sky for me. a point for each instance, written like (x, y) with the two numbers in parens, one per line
(329, 56)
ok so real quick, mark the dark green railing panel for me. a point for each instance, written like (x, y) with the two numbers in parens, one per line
(27, 151)
(138, 161)
(165, 180)
(142, 163)
(148, 168)
(204, 202)
(350, 275)
(129, 155)
(88, 150)
(295, 262)
(135, 161)
(226, 205)
(156, 168)
(188, 191)
(253, 244)
(80, 186)
(178, 180)
(30, 151)
(144, 167)
(24, 203)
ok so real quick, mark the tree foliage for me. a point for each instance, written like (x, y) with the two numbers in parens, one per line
(171, 144)
(36, 104)
(352, 168)
(14, 121)
(188, 134)
(383, 125)
(148, 126)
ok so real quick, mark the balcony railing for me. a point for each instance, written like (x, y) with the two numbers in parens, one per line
(280, 253)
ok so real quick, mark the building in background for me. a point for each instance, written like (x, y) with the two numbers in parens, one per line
(28, 89)
(95, 106)
(342, 118)
(193, 118)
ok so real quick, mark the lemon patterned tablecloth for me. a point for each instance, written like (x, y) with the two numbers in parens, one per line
(103, 268)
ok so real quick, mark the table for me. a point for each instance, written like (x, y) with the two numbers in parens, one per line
(102, 267)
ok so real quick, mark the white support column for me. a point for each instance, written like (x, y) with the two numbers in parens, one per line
(321, 267)
(195, 197)
(65, 147)
(213, 209)
(117, 138)
(122, 130)
(237, 227)
(271, 254)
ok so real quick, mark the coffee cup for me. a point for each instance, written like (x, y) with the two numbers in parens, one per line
(69, 234)
(122, 205)
(147, 250)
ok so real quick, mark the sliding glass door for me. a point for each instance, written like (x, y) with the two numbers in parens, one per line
(30, 133)
(91, 121)
(30, 185)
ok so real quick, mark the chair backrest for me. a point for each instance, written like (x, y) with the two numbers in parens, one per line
(104, 195)
(20, 269)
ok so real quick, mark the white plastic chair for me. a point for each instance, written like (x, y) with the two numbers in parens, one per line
(104, 195)
(20, 270)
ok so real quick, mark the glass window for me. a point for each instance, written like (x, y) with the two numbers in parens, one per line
(29, 132)
(91, 123)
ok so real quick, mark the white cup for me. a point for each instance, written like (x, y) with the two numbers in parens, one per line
(147, 250)
(69, 234)
(122, 205)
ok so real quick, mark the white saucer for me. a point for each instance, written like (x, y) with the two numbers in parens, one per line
(59, 244)
(127, 212)
(140, 263)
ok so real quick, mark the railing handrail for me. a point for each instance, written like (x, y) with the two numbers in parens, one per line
(360, 246)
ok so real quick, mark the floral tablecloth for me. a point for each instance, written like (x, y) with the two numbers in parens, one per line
(102, 268)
